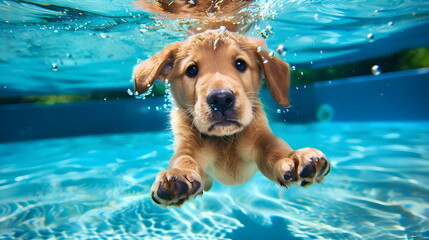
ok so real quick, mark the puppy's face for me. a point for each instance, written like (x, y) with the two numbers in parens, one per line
(214, 77)
(216, 82)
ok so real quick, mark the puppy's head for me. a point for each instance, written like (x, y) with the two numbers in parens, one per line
(215, 78)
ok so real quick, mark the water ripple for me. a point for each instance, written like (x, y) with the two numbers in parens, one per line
(96, 187)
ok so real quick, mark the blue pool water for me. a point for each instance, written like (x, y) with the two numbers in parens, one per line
(97, 187)
(84, 170)
(52, 46)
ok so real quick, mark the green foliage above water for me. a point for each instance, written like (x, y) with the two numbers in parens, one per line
(403, 60)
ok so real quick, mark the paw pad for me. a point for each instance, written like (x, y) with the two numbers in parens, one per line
(162, 193)
(308, 170)
(173, 187)
(290, 176)
(307, 166)
(179, 188)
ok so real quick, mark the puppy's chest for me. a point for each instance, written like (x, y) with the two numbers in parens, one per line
(228, 164)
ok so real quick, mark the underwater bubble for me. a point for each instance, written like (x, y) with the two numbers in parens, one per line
(370, 37)
(222, 29)
(265, 32)
(316, 17)
(271, 55)
(302, 73)
(54, 67)
(130, 92)
(375, 70)
(147, 93)
(293, 68)
(265, 61)
(281, 50)
(269, 29)
(390, 24)
(279, 110)
(259, 49)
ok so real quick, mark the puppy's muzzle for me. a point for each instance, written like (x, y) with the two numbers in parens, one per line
(222, 103)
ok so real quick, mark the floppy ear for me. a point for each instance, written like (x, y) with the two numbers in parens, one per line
(158, 67)
(276, 74)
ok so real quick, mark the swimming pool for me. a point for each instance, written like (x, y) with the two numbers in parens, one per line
(96, 187)
(84, 169)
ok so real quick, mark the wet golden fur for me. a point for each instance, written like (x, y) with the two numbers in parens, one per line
(200, 15)
(233, 151)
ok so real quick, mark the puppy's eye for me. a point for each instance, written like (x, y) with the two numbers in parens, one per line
(240, 65)
(192, 71)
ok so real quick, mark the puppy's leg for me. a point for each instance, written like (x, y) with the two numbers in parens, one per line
(182, 181)
(278, 162)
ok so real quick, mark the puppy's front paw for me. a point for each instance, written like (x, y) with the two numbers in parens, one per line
(304, 167)
(174, 186)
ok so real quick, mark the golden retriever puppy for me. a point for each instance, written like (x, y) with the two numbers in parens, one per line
(220, 129)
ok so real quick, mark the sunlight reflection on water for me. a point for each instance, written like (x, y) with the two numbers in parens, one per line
(97, 187)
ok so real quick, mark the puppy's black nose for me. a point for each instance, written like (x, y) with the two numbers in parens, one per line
(221, 100)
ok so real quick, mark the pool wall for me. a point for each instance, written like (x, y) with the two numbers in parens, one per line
(397, 96)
